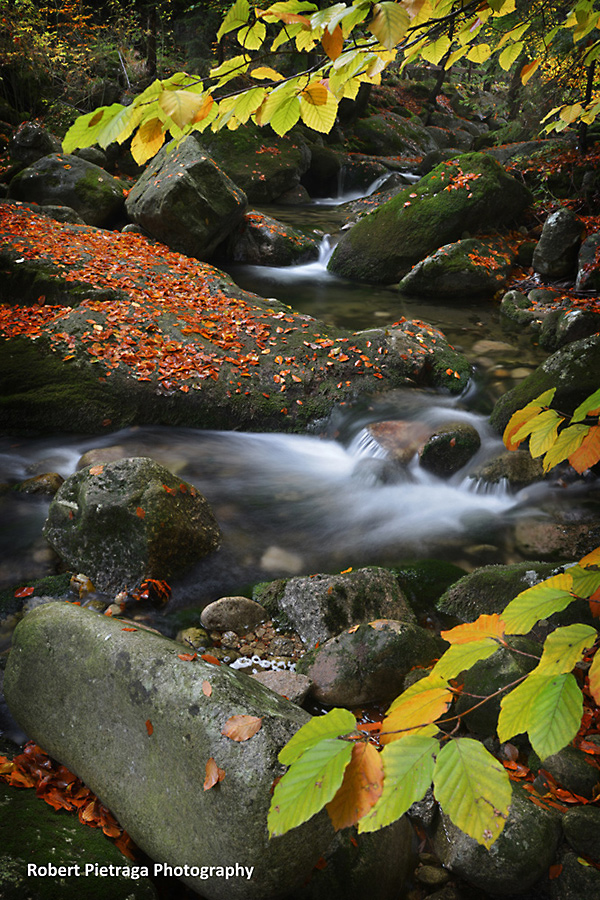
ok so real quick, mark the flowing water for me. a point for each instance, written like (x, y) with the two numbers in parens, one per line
(296, 504)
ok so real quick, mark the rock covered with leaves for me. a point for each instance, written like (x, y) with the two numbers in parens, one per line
(466, 268)
(129, 520)
(174, 722)
(262, 240)
(61, 179)
(469, 193)
(186, 201)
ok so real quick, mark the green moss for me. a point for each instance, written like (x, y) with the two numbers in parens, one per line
(51, 586)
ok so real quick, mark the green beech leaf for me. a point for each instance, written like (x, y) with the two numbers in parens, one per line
(318, 116)
(462, 656)
(543, 431)
(515, 708)
(336, 722)
(473, 789)
(85, 129)
(564, 647)
(591, 405)
(567, 442)
(285, 115)
(585, 581)
(408, 770)
(308, 785)
(510, 54)
(538, 602)
(252, 36)
(556, 715)
(434, 52)
(235, 18)
(479, 53)
(389, 23)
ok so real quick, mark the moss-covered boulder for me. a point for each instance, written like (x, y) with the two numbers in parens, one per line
(388, 134)
(262, 164)
(368, 663)
(58, 847)
(30, 142)
(263, 241)
(469, 193)
(61, 179)
(128, 520)
(320, 606)
(184, 200)
(518, 859)
(466, 268)
(138, 725)
(449, 448)
(572, 370)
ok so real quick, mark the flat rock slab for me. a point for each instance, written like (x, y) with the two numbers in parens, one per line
(138, 725)
(104, 330)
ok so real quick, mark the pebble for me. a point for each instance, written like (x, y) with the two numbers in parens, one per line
(233, 614)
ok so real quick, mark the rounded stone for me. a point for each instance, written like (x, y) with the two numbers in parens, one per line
(238, 614)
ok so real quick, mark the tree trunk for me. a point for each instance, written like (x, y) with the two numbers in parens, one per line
(582, 131)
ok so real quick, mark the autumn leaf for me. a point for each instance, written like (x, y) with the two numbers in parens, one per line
(187, 657)
(206, 688)
(213, 774)
(485, 626)
(96, 470)
(360, 789)
(24, 592)
(241, 728)
(209, 658)
(149, 727)
(140, 513)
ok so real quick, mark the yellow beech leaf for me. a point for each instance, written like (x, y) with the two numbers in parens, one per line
(147, 141)
(529, 70)
(485, 626)
(594, 676)
(181, 106)
(265, 72)
(360, 789)
(333, 43)
(316, 93)
(421, 704)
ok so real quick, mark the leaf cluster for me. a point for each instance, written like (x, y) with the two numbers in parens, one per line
(333, 764)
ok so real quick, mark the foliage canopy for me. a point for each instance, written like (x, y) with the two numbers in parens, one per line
(340, 47)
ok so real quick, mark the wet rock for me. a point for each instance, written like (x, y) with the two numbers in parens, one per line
(128, 520)
(30, 142)
(238, 614)
(575, 880)
(392, 135)
(399, 440)
(490, 588)
(184, 200)
(262, 240)
(468, 267)
(469, 194)
(47, 484)
(556, 252)
(573, 370)
(449, 449)
(320, 606)
(73, 673)
(559, 533)
(32, 833)
(570, 768)
(62, 179)
(518, 859)
(588, 265)
(368, 663)
(518, 468)
(289, 684)
(581, 826)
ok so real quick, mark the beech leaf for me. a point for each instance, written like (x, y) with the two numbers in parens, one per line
(213, 774)
(360, 789)
(538, 602)
(241, 728)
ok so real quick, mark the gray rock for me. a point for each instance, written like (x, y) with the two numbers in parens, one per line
(570, 767)
(517, 467)
(471, 193)
(581, 826)
(128, 520)
(392, 135)
(468, 267)
(556, 533)
(237, 614)
(62, 179)
(490, 588)
(588, 265)
(90, 693)
(320, 606)
(30, 142)
(292, 685)
(575, 880)
(516, 860)
(261, 240)
(556, 252)
(368, 663)
(449, 448)
(186, 201)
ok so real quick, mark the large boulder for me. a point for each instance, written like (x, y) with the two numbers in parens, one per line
(30, 142)
(320, 606)
(61, 179)
(128, 520)
(186, 201)
(556, 252)
(262, 164)
(469, 193)
(388, 134)
(466, 268)
(138, 725)
(263, 241)
(572, 370)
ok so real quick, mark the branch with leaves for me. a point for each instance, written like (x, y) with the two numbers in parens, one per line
(332, 764)
(351, 44)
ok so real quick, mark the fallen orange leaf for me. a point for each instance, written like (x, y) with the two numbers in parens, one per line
(241, 728)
